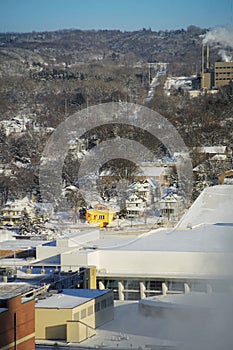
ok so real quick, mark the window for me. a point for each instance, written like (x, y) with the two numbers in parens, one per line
(83, 313)
(76, 316)
(97, 307)
(103, 304)
(109, 302)
(101, 217)
(90, 311)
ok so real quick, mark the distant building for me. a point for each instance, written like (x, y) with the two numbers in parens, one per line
(17, 317)
(73, 315)
(226, 177)
(101, 214)
(171, 206)
(223, 73)
(135, 206)
(13, 211)
(143, 195)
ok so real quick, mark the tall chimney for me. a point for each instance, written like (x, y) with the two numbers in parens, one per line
(202, 58)
(207, 56)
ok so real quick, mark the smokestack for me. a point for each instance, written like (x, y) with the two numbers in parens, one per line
(207, 56)
(202, 58)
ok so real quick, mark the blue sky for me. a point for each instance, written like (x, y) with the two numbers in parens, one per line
(42, 15)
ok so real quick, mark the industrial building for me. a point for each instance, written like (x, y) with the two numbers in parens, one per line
(223, 73)
(219, 75)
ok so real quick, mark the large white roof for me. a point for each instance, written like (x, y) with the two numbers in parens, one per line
(214, 205)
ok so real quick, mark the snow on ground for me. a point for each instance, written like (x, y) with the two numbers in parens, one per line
(129, 329)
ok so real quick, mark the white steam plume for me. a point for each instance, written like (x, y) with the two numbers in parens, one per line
(225, 56)
(223, 36)
(220, 35)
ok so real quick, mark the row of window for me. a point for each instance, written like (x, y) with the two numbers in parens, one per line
(131, 288)
(103, 304)
(223, 78)
(223, 67)
(101, 217)
(224, 73)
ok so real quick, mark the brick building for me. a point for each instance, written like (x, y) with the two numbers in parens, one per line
(17, 317)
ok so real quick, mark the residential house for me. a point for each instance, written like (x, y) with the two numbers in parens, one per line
(13, 211)
(201, 154)
(153, 171)
(226, 177)
(143, 195)
(101, 214)
(171, 206)
(135, 206)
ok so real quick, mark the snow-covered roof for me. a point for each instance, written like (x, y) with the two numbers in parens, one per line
(211, 149)
(70, 298)
(11, 290)
(214, 205)
(151, 171)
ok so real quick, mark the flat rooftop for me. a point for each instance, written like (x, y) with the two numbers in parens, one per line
(204, 238)
(70, 298)
(11, 290)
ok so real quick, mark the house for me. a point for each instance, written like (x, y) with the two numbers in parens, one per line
(101, 214)
(15, 125)
(135, 206)
(219, 153)
(153, 171)
(143, 194)
(13, 211)
(17, 317)
(73, 315)
(226, 177)
(171, 206)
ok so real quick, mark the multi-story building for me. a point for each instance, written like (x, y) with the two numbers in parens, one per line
(17, 317)
(223, 73)
(13, 211)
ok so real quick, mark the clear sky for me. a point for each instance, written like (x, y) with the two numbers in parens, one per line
(44, 15)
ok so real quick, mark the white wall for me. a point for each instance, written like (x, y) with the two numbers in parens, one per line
(76, 258)
(44, 252)
(155, 263)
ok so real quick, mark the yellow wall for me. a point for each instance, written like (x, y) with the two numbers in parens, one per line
(206, 81)
(77, 332)
(223, 73)
(76, 324)
(100, 216)
(89, 278)
(51, 323)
